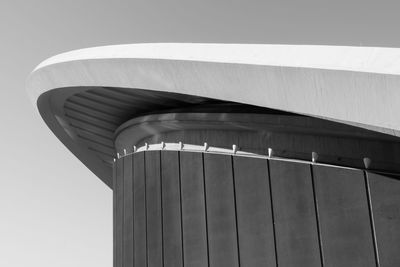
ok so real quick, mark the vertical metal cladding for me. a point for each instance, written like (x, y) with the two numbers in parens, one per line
(297, 242)
(201, 209)
(344, 218)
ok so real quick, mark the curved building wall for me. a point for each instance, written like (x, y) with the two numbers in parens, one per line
(175, 208)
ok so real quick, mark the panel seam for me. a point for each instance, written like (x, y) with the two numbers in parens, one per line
(115, 214)
(145, 206)
(180, 206)
(205, 208)
(133, 211)
(371, 218)
(272, 212)
(236, 213)
(162, 210)
(321, 251)
(123, 211)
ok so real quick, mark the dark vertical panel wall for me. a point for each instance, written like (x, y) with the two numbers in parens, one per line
(139, 211)
(221, 215)
(385, 203)
(119, 212)
(192, 209)
(344, 217)
(128, 212)
(294, 212)
(115, 214)
(194, 226)
(254, 217)
(154, 209)
(171, 206)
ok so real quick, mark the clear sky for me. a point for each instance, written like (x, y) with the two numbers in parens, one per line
(53, 211)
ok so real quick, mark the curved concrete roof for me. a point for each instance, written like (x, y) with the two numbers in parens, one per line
(350, 84)
(354, 85)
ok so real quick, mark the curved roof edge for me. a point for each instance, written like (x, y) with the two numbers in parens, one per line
(350, 58)
(359, 86)
(355, 85)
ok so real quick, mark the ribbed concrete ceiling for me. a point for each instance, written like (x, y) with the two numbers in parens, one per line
(95, 114)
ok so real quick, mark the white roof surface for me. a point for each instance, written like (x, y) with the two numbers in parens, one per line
(354, 85)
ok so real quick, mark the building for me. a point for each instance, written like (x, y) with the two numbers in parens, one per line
(236, 155)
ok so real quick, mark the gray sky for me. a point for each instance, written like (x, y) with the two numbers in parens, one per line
(53, 211)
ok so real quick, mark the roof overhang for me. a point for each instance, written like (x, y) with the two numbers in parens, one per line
(358, 86)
